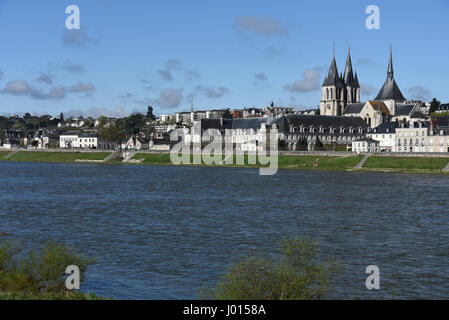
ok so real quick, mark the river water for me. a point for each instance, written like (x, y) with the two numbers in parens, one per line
(160, 232)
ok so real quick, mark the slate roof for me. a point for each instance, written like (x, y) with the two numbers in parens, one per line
(325, 121)
(386, 127)
(284, 122)
(353, 108)
(390, 89)
(443, 107)
(404, 109)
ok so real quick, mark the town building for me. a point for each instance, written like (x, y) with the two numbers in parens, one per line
(386, 135)
(78, 141)
(365, 145)
(442, 108)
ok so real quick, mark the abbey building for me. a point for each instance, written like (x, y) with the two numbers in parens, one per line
(338, 91)
(340, 96)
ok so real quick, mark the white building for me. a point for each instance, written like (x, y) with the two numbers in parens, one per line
(365, 145)
(76, 141)
(386, 135)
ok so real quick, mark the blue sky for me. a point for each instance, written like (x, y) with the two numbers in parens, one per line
(224, 54)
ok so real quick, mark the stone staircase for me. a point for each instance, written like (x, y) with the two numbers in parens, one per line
(128, 155)
(9, 155)
(446, 168)
(362, 162)
(112, 156)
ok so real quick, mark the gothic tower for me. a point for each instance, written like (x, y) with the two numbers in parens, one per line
(332, 92)
(352, 86)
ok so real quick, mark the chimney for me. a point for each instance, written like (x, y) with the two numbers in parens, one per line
(433, 123)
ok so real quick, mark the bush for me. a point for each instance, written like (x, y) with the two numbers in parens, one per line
(37, 272)
(295, 275)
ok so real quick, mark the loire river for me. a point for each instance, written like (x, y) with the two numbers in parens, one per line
(164, 232)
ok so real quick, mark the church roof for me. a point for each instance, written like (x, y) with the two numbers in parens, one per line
(404, 109)
(349, 74)
(353, 108)
(380, 106)
(333, 79)
(390, 89)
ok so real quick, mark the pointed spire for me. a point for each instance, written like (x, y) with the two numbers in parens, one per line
(356, 81)
(390, 89)
(390, 72)
(332, 77)
(349, 74)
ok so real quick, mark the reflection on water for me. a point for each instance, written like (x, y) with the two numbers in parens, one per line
(164, 232)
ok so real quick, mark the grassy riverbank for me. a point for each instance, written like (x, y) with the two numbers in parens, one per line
(308, 162)
(287, 162)
(27, 156)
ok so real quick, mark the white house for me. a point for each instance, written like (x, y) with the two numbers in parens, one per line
(365, 145)
(75, 141)
(386, 135)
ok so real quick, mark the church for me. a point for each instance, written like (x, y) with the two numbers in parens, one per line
(340, 96)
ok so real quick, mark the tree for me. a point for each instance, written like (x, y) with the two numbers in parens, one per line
(434, 105)
(102, 120)
(150, 115)
(134, 123)
(61, 117)
(111, 134)
(295, 274)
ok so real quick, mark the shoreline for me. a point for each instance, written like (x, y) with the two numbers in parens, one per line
(327, 161)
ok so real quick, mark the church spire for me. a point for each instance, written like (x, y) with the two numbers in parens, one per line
(332, 77)
(390, 89)
(390, 72)
(349, 74)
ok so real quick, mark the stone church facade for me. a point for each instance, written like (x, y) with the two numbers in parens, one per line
(339, 90)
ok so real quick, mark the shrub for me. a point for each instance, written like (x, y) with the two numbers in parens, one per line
(294, 275)
(37, 272)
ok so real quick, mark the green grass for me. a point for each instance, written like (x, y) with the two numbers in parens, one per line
(298, 162)
(4, 154)
(326, 163)
(57, 156)
(406, 163)
(149, 158)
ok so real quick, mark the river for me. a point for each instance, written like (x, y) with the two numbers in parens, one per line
(161, 232)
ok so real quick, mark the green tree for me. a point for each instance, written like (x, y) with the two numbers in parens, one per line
(111, 134)
(150, 115)
(134, 123)
(295, 274)
(434, 105)
(102, 120)
(61, 117)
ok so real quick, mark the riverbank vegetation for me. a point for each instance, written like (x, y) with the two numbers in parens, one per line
(38, 273)
(27, 156)
(294, 274)
(406, 163)
(343, 162)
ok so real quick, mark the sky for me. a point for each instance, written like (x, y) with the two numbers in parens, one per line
(211, 53)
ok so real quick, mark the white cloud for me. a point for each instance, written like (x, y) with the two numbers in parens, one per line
(310, 82)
